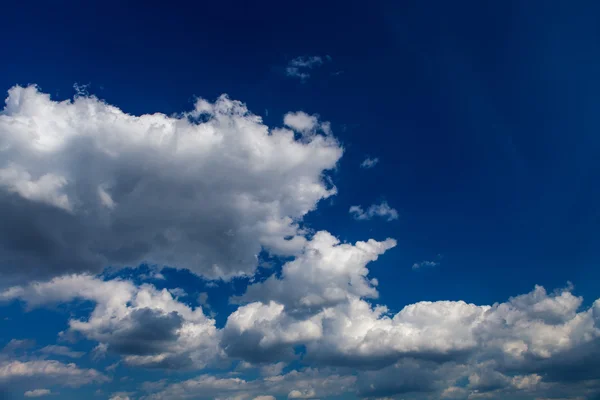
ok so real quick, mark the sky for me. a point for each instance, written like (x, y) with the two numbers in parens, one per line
(300, 200)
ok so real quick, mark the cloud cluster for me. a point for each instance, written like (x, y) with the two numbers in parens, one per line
(536, 343)
(382, 210)
(84, 185)
(146, 326)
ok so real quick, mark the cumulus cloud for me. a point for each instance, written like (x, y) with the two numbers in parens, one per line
(87, 185)
(531, 343)
(382, 210)
(535, 343)
(326, 273)
(146, 326)
(301, 121)
(300, 67)
(84, 185)
(37, 393)
(369, 162)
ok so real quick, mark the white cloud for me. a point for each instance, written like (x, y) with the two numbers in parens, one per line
(369, 162)
(326, 273)
(37, 393)
(148, 327)
(382, 210)
(88, 185)
(49, 371)
(425, 264)
(301, 121)
(300, 67)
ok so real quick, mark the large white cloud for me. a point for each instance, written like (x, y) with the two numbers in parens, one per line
(84, 185)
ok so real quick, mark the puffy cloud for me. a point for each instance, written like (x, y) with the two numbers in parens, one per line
(301, 121)
(537, 343)
(382, 210)
(148, 327)
(299, 67)
(369, 162)
(277, 316)
(37, 393)
(49, 371)
(84, 185)
(528, 344)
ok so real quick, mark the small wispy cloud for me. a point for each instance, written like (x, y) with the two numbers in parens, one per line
(300, 67)
(369, 162)
(382, 210)
(423, 264)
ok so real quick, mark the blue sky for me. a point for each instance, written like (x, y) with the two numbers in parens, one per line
(478, 123)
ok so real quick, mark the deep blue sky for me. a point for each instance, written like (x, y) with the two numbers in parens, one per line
(484, 116)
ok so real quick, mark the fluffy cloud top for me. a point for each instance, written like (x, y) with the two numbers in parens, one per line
(326, 273)
(84, 185)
